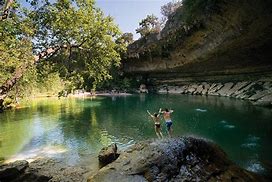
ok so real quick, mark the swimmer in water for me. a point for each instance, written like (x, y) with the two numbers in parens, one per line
(167, 117)
(156, 118)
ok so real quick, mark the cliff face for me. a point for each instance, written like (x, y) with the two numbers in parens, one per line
(233, 43)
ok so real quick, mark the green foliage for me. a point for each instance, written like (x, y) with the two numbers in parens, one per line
(15, 44)
(121, 83)
(195, 10)
(117, 82)
(40, 80)
(88, 41)
(126, 38)
(89, 36)
(168, 9)
(148, 25)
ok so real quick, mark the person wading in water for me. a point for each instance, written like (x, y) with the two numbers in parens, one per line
(166, 115)
(156, 118)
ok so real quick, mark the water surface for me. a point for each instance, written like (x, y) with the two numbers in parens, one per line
(72, 130)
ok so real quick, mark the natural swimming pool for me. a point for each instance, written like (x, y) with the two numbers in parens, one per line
(71, 129)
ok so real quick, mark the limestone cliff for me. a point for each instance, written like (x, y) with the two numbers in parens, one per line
(230, 43)
(219, 48)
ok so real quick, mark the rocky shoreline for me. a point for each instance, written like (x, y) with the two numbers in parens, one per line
(43, 170)
(174, 159)
(258, 92)
(179, 159)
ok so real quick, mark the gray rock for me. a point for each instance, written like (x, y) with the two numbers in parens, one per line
(163, 90)
(265, 101)
(225, 90)
(242, 92)
(238, 86)
(19, 171)
(206, 88)
(192, 88)
(108, 155)
(13, 170)
(258, 95)
(175, 90)
(267, 85)
(213, 90)
(182, 159)
(199, 89)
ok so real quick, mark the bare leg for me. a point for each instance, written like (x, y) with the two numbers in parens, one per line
(171, 132)
(158, 132)
(161, 134)
(158, 135)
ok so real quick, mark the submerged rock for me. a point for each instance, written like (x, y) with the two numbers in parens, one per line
(181, 159)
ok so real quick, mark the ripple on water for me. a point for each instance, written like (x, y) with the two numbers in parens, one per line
(251, 142)
(229, 126)
(255, 166)
(249, 145)
(201, 110)
(223, 122)
(252, 138)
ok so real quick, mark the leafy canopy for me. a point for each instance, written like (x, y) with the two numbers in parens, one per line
(150, 24)
(86, 38)
(87, 33)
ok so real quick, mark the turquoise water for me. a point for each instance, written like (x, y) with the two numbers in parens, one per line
(72, 130)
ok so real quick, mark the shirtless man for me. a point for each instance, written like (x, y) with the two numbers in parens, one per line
(156, 119)
(166, 115)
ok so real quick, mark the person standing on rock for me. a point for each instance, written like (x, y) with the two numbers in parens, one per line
(167, 117)
(156, 118)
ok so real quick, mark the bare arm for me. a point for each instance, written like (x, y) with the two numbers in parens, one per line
(149, 113)
(160, 111)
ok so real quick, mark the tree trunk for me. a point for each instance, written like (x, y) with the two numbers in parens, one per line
(8, 85)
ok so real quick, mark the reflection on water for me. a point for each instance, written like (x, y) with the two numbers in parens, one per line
(75, 129)
(30, 155)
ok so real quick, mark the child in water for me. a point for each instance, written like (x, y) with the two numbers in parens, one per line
(166, 115)
(156, 118)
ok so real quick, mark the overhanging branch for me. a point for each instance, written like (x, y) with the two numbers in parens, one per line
(6, 10)
(8, 85)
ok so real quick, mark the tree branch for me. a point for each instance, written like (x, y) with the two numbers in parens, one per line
(6, 10)
(8, 85)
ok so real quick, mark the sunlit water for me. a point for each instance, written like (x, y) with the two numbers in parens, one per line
(74, 130)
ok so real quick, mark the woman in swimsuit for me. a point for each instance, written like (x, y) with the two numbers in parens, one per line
(156, 118)
(166, 115)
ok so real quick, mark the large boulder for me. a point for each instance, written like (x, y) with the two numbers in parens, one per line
(20, 171)
(44, 170)
(108, 155)
(181, 159)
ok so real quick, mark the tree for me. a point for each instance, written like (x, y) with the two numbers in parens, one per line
(168, 9)
(127, 38)
(72, 34)
(5, 6)
(148, 25)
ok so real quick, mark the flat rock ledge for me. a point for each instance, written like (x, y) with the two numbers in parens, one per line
(42, 170)
(180, 159)
(257, 92)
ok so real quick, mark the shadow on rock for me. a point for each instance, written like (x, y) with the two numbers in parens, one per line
(181, 159)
